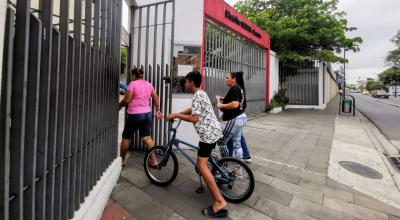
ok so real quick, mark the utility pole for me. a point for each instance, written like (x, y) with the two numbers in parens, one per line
(344, 74)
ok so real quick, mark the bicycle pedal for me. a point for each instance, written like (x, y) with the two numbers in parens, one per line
(200, 189)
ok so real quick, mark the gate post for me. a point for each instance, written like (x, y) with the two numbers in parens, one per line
(3, 9)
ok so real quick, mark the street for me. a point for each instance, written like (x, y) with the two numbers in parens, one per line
(386, 117)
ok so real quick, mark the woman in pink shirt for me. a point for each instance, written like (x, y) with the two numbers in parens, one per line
(137, 101)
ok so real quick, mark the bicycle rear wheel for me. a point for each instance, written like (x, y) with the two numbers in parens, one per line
(241, 183)
(160, 166)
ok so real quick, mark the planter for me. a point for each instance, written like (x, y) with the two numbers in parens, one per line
(275, 110)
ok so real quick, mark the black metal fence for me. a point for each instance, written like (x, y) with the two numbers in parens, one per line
(300, 79)
(227, 52)
(59, 105)
(151, 47)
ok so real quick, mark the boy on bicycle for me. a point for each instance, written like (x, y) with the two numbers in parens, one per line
(206, 124)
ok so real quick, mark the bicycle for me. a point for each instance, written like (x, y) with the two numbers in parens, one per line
(234, 178)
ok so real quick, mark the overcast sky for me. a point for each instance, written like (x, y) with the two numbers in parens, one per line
(377, 22)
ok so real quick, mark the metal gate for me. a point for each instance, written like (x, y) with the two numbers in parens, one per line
(226, 52)
(61, 77)
(151, 48)
(300, 79)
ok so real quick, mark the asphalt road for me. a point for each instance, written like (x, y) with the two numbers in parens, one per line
(386, 117)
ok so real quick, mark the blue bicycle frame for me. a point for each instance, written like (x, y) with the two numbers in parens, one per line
(224, 178)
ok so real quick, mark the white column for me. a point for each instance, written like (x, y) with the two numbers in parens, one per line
(3, 9)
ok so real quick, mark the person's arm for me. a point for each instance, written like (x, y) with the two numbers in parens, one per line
(156, 102)
(125, 101)
(188, 118)
(230, 105)
(187, 111)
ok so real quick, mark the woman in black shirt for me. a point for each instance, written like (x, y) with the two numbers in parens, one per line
(232, 106)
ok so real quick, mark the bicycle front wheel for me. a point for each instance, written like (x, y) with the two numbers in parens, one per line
(240, 184)
(160, 166)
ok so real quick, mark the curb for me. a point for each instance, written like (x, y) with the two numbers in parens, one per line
(389, 103)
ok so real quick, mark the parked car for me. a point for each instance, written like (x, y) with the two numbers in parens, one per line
(380, 94)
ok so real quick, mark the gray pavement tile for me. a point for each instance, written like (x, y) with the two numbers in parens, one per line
(391, 217)
(272, 193)
(354, 210)
(122, 185)
(336, 185)
(156, 210)
(263, 178)
(128, 198)
(305, 174)
(317, 211)
(135, 176)
(297, 190)
(278, 211)
(323, 169)
(332, 192)
(278, 174)
(240, 212)
(368, 202)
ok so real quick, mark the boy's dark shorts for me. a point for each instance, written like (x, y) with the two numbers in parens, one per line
(205, 149)
(143, 122)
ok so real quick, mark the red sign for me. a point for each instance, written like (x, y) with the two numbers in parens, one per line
(222, 13)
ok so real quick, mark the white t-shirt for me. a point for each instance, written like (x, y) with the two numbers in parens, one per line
(208, 126)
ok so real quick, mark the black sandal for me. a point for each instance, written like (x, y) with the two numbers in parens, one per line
(209, 212)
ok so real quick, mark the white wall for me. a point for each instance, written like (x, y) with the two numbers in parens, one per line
(274, 74)
(188, 22)
(186, 130)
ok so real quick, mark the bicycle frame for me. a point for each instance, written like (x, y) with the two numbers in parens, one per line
(175, 142)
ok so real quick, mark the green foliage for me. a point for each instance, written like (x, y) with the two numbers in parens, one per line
(390, 75)
(124, 54)
(373, 85)
(280, 97)
(302, 29)
(393, 57)
(279, 100)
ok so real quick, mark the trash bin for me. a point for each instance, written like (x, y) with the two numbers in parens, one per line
(347, 105)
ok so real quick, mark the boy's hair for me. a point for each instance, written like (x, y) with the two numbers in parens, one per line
(194, 77)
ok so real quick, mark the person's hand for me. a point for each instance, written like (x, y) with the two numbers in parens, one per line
(171, 116)
(219, 105)
(159, 115)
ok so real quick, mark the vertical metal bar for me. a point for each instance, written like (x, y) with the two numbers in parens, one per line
(71, 165)
(162, 95)
(31, 124)
(101, 78)
(171, 60)
(146, 56)
(46, 7)
(5, 112)
(69, 110)
(155, 69)
(64, 33)
(139, 37)
(94, 79)
(18, 105)
(88, 71)
(53, 122)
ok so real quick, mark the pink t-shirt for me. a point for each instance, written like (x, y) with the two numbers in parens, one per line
(140, 103)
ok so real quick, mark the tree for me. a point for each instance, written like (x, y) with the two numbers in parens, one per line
(390, 75)
(393, 57)
(373, 85)
(302, 29)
